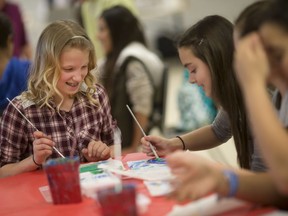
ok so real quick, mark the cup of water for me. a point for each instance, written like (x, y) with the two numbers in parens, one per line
(118, 201)
(63, 178)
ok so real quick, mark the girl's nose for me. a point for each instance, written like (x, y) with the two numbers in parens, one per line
(192, 78)
(192, 81)
(77, 77)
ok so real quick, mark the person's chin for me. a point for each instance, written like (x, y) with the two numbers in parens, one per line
(208, 94)
(71, 94)
(205, 91)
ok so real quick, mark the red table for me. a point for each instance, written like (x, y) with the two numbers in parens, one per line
(20, 195)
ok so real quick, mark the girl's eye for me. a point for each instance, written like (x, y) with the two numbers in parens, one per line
(276, 58)
(68, 69)
(276, 55)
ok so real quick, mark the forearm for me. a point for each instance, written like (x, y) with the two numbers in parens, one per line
(269, 132)
(260, 188)
(200, 139)
(254, 187)
(25, 165)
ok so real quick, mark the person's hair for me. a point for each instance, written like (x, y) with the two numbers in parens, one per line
(250, 18)
(278, 14)
(211, 40)
(124, 28)
(45, 71)
(6, 30)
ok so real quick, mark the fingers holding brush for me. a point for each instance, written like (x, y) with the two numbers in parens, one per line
(42, 147)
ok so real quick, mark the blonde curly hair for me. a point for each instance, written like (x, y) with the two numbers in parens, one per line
(45, 71)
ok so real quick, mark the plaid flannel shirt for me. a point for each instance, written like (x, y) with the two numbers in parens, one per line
(81, 124)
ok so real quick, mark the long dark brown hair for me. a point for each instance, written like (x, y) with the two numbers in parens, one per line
(250, 18)
(211, 40)
(278, 14)
(124, 28)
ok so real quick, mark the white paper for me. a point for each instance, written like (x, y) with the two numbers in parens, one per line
(142, 170)
(91, 182)
(158, 188)
(210, 205)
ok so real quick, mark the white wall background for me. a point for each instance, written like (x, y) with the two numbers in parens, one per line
(176, 15)
(157, 15)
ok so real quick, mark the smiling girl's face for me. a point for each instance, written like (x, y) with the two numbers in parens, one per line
(199, 72)
(74, 68)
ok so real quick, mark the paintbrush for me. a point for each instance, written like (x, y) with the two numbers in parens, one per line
(143, 132)
(117, 155)
(117, 143)
(32, 125)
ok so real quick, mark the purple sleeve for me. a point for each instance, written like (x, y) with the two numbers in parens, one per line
(19, 33)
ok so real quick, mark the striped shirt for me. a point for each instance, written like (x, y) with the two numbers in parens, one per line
(83, 123)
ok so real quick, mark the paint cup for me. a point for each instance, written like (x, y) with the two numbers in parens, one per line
(64, 181)
(118, 202)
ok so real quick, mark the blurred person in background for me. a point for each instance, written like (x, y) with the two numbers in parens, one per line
(90, 12)
(130, 72)
(13, 71)
(22, 47)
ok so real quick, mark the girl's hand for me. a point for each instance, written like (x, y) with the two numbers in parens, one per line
(250, 61)
(96, 151)
(195, 177)
(42, 147)
(162, 146)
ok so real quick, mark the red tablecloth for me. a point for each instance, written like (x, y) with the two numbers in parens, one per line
(20, 195)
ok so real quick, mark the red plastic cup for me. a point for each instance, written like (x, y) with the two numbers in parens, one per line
(64, 181)
(120, 203)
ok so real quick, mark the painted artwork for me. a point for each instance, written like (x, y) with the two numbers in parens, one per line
(147, 164)
(154, 169)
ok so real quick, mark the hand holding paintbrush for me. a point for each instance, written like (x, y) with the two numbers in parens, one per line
(39, 135)
(42, 147)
